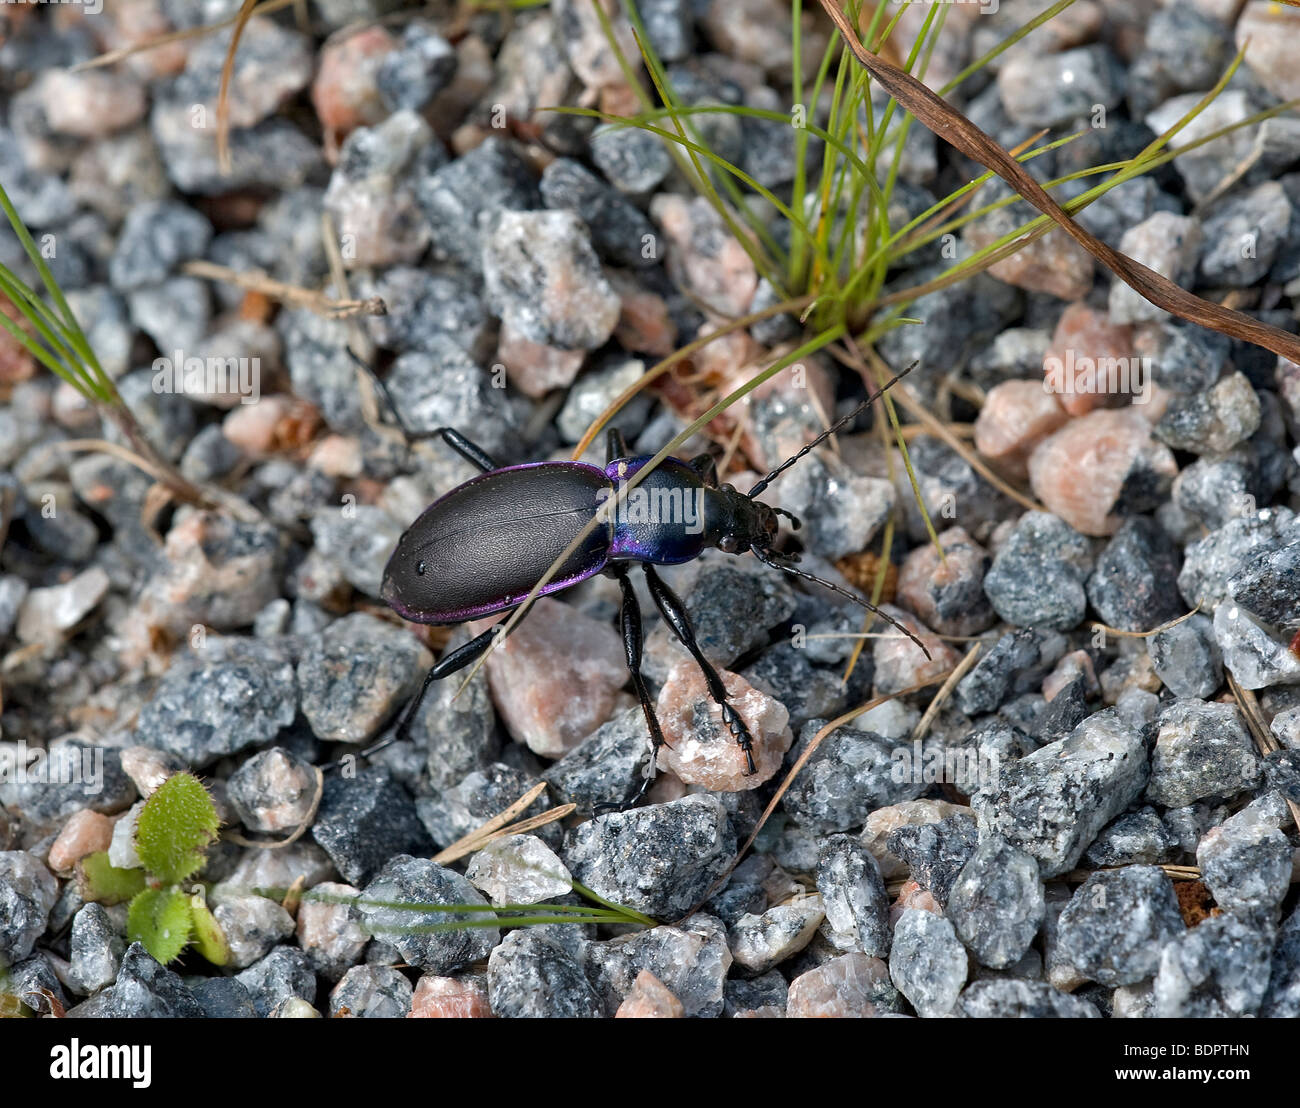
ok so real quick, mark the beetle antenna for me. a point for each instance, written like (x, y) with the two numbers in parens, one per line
(838, 425)
(766, 558)
(381, 388)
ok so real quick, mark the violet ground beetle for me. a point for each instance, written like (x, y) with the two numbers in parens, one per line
(480, 550)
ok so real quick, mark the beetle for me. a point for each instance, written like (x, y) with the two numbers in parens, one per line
(480, 550)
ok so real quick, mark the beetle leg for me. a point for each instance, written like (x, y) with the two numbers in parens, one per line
(632, 642)
(706, 465)
(674, 613)
(447, 664)
(615, 445)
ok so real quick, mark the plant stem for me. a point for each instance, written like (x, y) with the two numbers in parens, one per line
(182, 488)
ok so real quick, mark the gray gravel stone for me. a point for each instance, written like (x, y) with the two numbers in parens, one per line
(156, 237)
(1218, 969)
(286, 971)
(996, 903)
(1255, 656)
(854, 895)
(223, 998)
(1243, 233)
(35, 982)
(936, 852)
(234, 694)
(632, 160)
(532, 977)
(1053, 803)
(407, 880)
(490, 178)
(717, 593)
(253, 925)
(145, 990)
(440, 385)
(618, 228)
(1136, 838)
(455, 811)
(1130, 586)
(96, 949)
(659, 860)
(805, 691)
(1282, 1001)
(1214, 421)
(1210, 564)
(355, 675)
(605, 767)
(1268, 586)
(458, 729)
(768, 990)
(320, 370)
(372, 992)
(927, 964)
(27, 894)
(424, 309)
(75, 775)
(1187, 658)
(1116, 924)
(841, 511)
(1050, 90)
(518, 869)
(1246, 860)
(1037, 576)
(364, 820)
(952, 490)
(851, 774)
(1010, 998)
(593, 392)
(759, 942)
(545, 282)
(414, 74)
(272, 791)
(1202, 750)
(691, 959)
(356, 544)
(1016, 664)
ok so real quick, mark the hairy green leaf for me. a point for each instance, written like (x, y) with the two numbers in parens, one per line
(100, 881)
(162, 920)
(177, 825)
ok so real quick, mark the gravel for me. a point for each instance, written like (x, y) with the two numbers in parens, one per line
(1086, 826)
(1117, 923)
(658, 860)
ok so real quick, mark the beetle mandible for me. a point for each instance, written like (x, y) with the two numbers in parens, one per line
(511, 523)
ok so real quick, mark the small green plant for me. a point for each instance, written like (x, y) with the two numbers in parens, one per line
(11, 1004)
(55, 338)
(177, 825)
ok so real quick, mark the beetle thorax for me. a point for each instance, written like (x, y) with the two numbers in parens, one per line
(735, 522)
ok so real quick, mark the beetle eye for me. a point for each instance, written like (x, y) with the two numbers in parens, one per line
(728, 544)
(419, 568)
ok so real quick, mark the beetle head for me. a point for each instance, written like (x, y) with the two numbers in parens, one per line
(740, 522)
